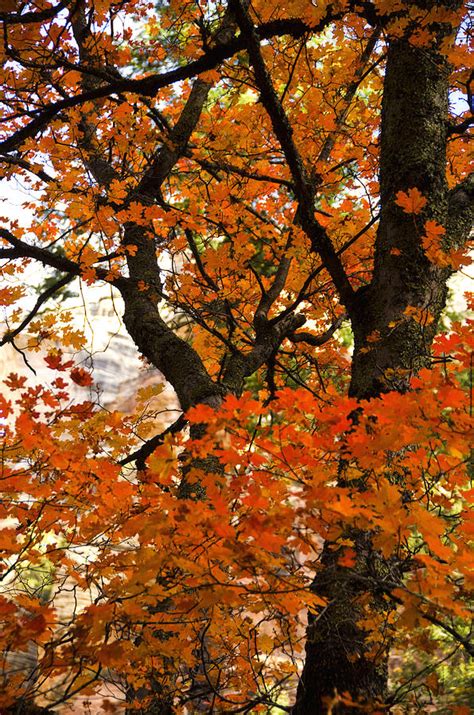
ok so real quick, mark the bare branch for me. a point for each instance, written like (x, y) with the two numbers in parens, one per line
(461, 127)
(317, 340)
(23, 164)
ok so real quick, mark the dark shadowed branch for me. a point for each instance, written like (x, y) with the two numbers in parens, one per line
(141, 455)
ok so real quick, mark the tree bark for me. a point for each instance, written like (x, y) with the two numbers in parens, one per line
(390, 347)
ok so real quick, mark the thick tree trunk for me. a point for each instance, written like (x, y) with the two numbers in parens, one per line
(413, 154)
(336, 648)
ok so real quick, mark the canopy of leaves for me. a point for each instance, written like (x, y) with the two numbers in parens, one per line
(220, 166)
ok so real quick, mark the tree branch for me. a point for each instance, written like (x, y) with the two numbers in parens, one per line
(213, 167)
(303, 295)
(46, 258)
(304, 188)
(317, 340)
(351, 90)
(141, 455)
(202, 270)
(150, 85)
(43, 298)
(461, 127)
(389, 586)
(23, 164)
(268, 298)
(18, 18)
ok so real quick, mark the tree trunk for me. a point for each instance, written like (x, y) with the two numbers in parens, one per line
(413, 154)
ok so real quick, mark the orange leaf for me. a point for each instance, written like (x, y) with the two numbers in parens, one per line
(411, 202)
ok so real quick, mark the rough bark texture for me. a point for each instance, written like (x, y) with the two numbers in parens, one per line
(413, 154)
(177, 360)
(336, 646)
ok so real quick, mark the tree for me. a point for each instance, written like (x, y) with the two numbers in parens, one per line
(269, 173)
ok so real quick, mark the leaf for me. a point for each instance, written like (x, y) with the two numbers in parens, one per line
(232, 227)
(432, 244)
(420, 315)
(411, 202)
(81, 377)
(10, 294)
(54, 360)
(14, 381)
(5, 407)
(434, 230)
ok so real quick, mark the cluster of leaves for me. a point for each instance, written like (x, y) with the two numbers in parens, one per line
(220, 163)
(210, 592)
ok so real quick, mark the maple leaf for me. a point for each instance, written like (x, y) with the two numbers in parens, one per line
(14, 381)
(432, 244)
(5, 407)
(421, 315)
(54, 360)
(81, 377)
(412, 202)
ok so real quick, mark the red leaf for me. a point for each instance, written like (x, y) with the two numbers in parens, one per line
(14, 381)
(81, 377)
(54, 361)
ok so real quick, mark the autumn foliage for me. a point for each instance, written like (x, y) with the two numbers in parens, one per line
(281, 252)
(234, 567)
